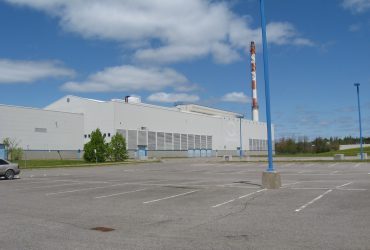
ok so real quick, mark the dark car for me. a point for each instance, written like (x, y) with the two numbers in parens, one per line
(8, 169)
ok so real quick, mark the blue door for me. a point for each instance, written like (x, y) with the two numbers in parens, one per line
(209, 153)
(197, 153)
(190, 153)
(142, 152)
(203, 153)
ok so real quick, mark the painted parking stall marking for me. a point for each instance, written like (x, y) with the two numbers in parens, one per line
(170, 197)
(240, 197)
(346, 184)
(117, 194)
(314, 200)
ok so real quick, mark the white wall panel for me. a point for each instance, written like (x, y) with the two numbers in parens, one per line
(39, 129)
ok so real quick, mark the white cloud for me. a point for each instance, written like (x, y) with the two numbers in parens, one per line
(129, 78)
(14, 71)
(238, 97)
(354, 27)
(181, 30)
(357, 6)
(172, 97)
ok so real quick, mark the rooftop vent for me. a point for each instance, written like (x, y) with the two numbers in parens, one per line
(132, 99)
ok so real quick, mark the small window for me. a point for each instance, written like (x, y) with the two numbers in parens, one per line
(41, 130)
(85, 136)
(105, 135)
(108, 134)
(68, 100)
(89, 135)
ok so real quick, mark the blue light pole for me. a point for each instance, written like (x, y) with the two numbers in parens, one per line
(359, 119)
(241, 137)
(267, 86)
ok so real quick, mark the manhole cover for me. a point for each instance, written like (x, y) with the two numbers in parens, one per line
(102, 229)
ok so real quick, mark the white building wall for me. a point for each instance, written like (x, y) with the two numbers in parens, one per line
(116, 115)
(38, 129)
(343, 147)
(97, 114)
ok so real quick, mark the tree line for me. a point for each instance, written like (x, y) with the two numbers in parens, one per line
(318, 145)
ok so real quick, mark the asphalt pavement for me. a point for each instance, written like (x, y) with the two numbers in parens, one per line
(187, 204)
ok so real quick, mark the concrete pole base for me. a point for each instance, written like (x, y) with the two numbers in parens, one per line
(271, 180)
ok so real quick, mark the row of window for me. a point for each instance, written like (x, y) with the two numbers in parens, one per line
(104, 135)
(258, 145)
(165, 141)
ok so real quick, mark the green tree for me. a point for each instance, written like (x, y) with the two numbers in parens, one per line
(96, 149)
(117, 148)
(15, 152)
(321, 145)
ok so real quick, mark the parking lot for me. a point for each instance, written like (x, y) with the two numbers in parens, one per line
(188, 204)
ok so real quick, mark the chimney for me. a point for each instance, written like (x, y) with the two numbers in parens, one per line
(255, 116)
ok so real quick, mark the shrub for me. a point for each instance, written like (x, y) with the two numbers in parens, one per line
(15, 152)
(97, 143)
(117, 148)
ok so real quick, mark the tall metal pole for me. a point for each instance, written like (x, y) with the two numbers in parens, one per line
(267, 86)
(359, 119)
(241, 138)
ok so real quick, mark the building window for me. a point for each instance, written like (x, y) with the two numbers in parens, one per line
(105, 135)
(108, 134)
(89, 135)
(41, 130)
(85, 136)
(68, 100)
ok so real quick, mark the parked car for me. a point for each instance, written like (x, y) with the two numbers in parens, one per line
(8, 169)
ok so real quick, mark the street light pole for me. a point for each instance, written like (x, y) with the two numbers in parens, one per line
(267, 86)
(241, 138)
(359, 119)
(270, 178)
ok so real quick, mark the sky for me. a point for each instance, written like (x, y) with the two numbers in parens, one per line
(194, 51)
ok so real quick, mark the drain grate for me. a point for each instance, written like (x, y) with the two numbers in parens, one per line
(103, 229)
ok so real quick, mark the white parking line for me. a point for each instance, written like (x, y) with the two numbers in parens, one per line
(261, 190)
(111, 195)
(169, 197)
(92, 188)
(311, 202)
(290, 184)
(344, 184)
(352, 189)
(82, 189)
(357, 165)
(226, 202)
(51, 186)
(24, 181)
(309, 188)
(241, 197)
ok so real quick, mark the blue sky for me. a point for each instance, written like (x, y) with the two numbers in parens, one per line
(194, 51)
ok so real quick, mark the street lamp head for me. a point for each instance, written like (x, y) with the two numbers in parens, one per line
(357, 84)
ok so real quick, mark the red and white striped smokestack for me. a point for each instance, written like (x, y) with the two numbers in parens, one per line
(255, 115)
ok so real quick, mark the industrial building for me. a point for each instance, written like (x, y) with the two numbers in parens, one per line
(61, 129)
